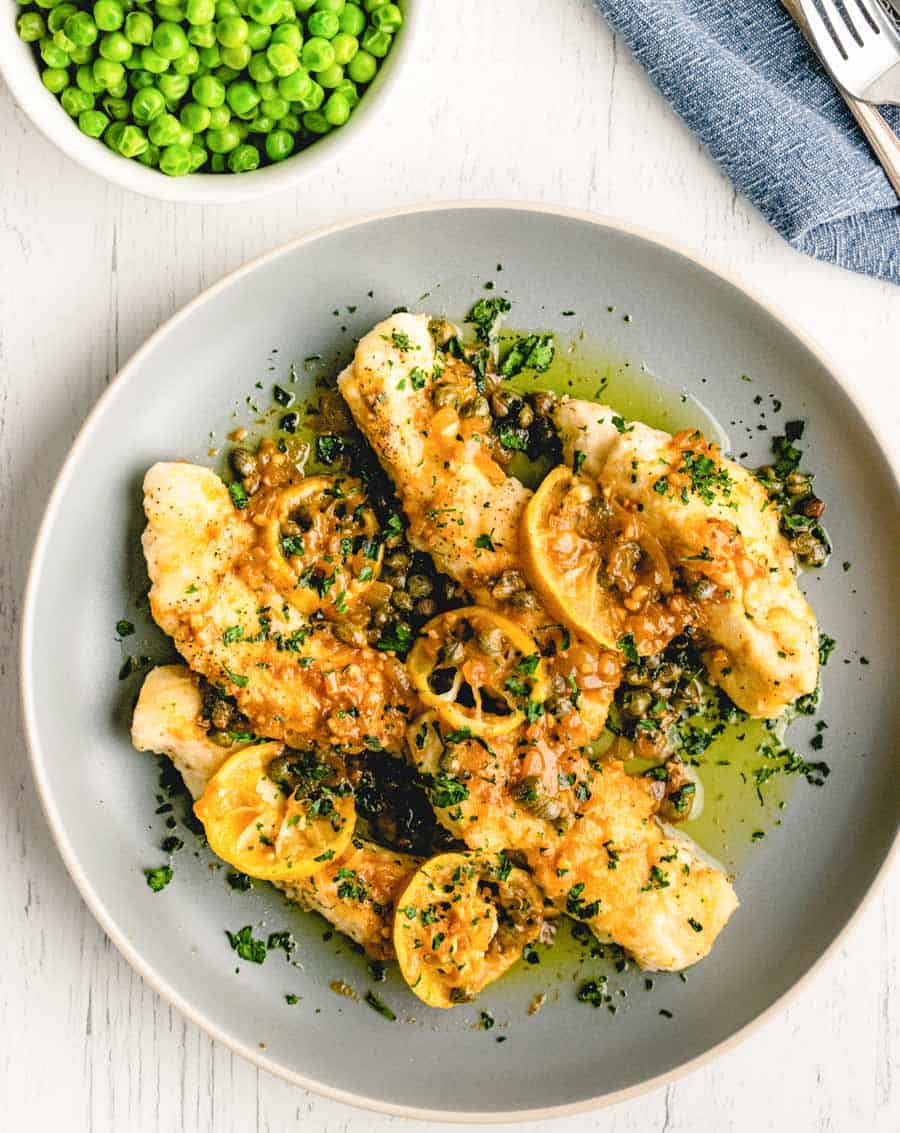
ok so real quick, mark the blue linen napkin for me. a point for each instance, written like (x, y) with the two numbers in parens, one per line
(745, 81)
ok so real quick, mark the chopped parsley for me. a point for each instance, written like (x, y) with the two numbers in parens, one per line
(530, 352)
(377, 1004)
(627, 646)
(578, 461)
(826, 648)
(246, 946)
(576, 906)
(485, 542)
(124, 628)
(328, 449)
(486, 315)
(235, 678)
(158, 879)
(238, 495)
(695, 925)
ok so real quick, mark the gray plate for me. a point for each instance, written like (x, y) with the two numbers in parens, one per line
(798, 889)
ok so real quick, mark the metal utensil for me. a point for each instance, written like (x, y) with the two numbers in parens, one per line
(859, 45)
(884, 142)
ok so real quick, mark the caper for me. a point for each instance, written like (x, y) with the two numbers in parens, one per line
(243, 462)
(477, 407)
(668, 673)
(445, 394)
(543, 402)
(636, 702)
(221, 739)
(526, 417)
(419, 585)
(797, 485)
(546, 808)
(290, 528)
(507, 584)
(558, 684)
(702, 589)
(525, 600)
(399, 560)
(449, 761)
(560, 706)
(348, 632)
(279, 771)
(636, 676)
(221, 714)
(813, 507)
(528, 790)
(426, 607)
(402, 601)
(692, 691)
(490, 640)
(381, 617)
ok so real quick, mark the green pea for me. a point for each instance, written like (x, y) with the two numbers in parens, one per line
(282, 59)
(203, 35)
(189, 63)
(316, 122)
(345, 47)
(81, 29)
(244, 159)
(175, 160)
(317, 55)
(274, 108)
(264, 11)
(200, 11)
(152, 61)
(387, 17)
(329, 5)
(75, 101)
(138, 29)
(226, 8)
(232, 31)
(132, 141)
(323, 24)
(352, 19)
(259, 69)
(92, 122)
(291, 123)
(377, 42)
(314, 99)
(242, 97)
(147, 105)
(226, 74)
(84, 77)
(289, 34)
(237, 58)
(169, 40)
(165, 131)
(118, 90)
(150, 156)
(267, 90)
(108, 73)
(171, 13)
(296, 86)
(224, 140)
(174, 87)
(194, 117)
(330, 77)
(141, 79)
(260, 124)
(62, 41)
(336, 110)
(115, 46)
(109, 15)
(210, 56)
(208, 91)
(219, 117)
(347, 88)
(279, 145)
(303, 5)
(198, 157)
(79, 55)
(258, 35)
(217, 162)
(371, 5)
(117, 108)
(58, 16)
(112, 134)
(31, 26)
(362, 67)
(53, 56)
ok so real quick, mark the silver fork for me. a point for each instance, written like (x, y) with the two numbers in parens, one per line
(884, 142)
(860, 46)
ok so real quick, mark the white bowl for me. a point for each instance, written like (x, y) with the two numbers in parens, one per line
(23, 77)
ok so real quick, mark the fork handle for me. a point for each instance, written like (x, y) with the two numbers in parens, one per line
(884, 142)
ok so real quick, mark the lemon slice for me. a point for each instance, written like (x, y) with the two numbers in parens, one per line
(263, 828)
(461, 922)
(478, 670)
(319, 538)
(591, 560)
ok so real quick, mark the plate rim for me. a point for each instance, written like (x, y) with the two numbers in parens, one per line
(29, 712)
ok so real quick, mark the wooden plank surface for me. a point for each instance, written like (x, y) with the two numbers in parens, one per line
(523, 99)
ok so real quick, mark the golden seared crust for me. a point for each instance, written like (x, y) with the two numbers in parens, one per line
(715, 522)
(358, 903)
(292, 678)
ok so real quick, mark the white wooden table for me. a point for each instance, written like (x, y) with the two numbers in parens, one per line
(525, 99)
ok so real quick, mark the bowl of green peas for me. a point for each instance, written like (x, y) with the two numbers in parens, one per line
(172, 99)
